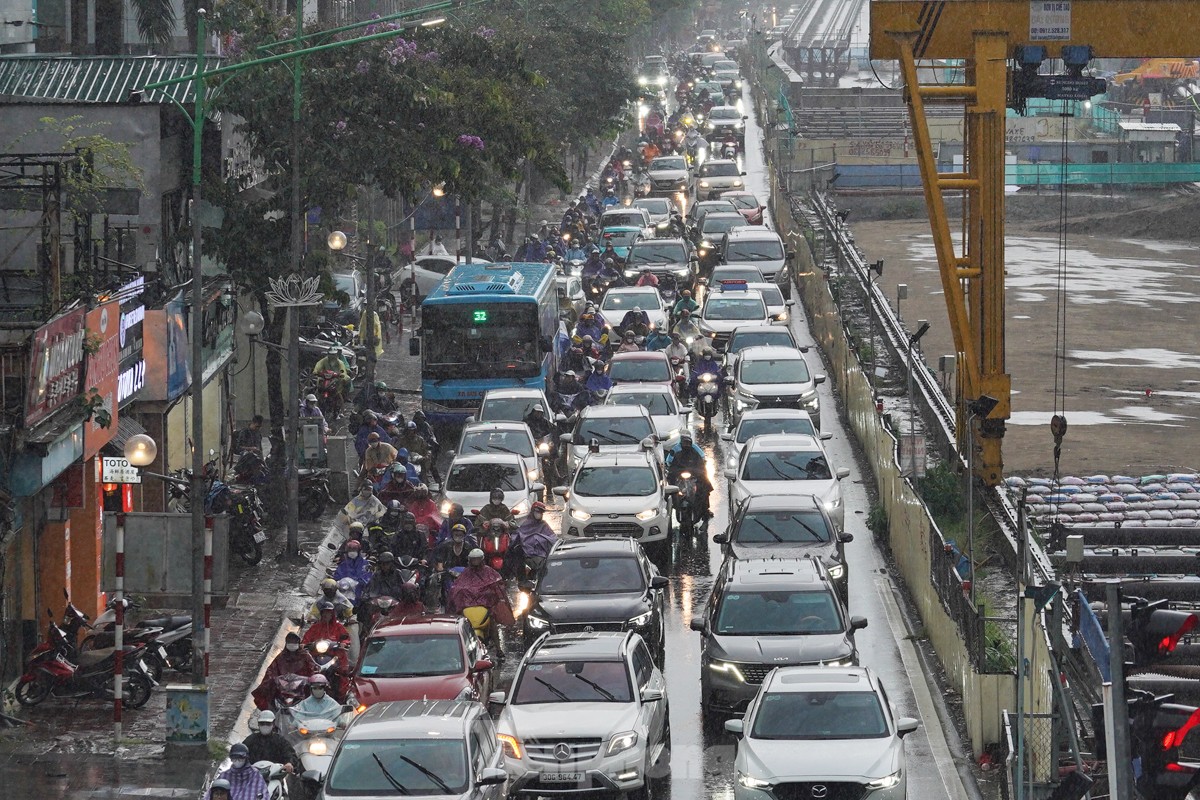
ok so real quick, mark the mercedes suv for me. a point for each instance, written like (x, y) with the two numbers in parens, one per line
(766, 613)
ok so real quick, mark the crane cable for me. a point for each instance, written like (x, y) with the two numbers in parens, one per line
(1058, 422)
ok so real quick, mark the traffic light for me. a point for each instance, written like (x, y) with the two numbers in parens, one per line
(1159, 729)
(1155, 630)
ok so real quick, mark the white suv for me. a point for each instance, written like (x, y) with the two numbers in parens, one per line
(820, 732)
(717, 175)
(588, 713)
(618, 494)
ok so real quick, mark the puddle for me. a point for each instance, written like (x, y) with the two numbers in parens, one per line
(1138, 357)
(1193, 396)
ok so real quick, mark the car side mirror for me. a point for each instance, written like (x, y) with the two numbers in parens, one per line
(561, 491)
(789, 303)
(743, 174)
(818, 379)
(857, 623)
(414, 345)
(491, 776)
(497, 698)
(721, 538)
(560, 418)
(735, 726)
(845, 538)
(843, 472)
(565, 438)
(697, 624)
(311, 777)
(825, 436)
(652, 695)
(726, 437)
(482, 665)
(790, 255)
(537, 487)
(525, 586)
(670, 489)
(905, 726)
(731, 475)
(660, 582)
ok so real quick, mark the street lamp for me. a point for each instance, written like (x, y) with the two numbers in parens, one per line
(912, 420)
(977, 409)
(140, 451)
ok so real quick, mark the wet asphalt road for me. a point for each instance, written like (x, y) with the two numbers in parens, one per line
(702, 760)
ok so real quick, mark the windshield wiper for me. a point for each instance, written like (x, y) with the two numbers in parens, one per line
(816, 536)
(769, 530)
(597, 435)
(428, 773)
(600, 690)
(779, 472)
(397, 785)
(557, 692)
(628, 436)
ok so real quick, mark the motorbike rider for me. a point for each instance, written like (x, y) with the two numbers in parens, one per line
(364, 507)
(267, 744)
(539, 426)
(677, 349)
(370, 424)
(432, 446)
(330, 593)
(531, 540)
(688, 457)
(647, 278)
(629, 343)
(292, 660)
(478, 586)
(593, 202)
(386, 581)
(574, 251)
(423, 508)
(310, 410)
(687, 326)
(319, 704)
(219, 790)
(327, 627)
(588, 326)
(455, 517)
(379, 453)
(693, 141)
(610, 199)
(410, 469)
(707, 362)
(454, 551)
(385, 399)
(684, 303)
(408, 603)
(332, 361)
(494, 509)
(242, 780)
(636, 320)
(411, 440)
(656, 339)
(407, 540)
(353, 565)
(613, 263)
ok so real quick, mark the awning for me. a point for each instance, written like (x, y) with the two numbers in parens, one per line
(127, 426)
(97, 79)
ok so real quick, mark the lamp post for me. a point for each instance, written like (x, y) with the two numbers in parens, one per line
(912, 420)
(140, 451)
(337, 243)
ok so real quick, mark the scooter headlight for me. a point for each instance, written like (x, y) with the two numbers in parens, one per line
(318, 747)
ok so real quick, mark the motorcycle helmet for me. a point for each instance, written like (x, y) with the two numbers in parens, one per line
(419, 415)
(395, 507)
(354, 544)
(328, 583)
(412, 426)
(458, 527)
(496, 496)
(347, 586)
(588, 340)
(325, 605)
(410, 519)
(386, 558)
(402, 454)
(608, 262)
(356, 527)
(265, 717)
(221, 783)
(708, 353)
(380, 385)
(475, 555)
(538, 506)
(421, 492)
(239, 750)
(312, 398)
(398, 468)
(317, 683)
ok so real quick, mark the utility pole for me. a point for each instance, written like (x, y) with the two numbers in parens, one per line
(1120, 781)
(293, 318)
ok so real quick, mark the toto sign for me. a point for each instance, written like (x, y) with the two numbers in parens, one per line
(55, 365)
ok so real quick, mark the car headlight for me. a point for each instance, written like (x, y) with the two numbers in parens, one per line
(886, 782)
(629, 273)
(642, 81)
(512, 745)
(580, 514)
(710, 125)
(836, 571)
(622, 742)
(781, 316)
(705, 245)
(833, 503)
(537, 622)
(703, 184)
(751, 782)
(318, 747)
(662, 226)
(682, 271)
(532, 474)
(648, 514)
(737, 124)
(737, 183)
(725, 668)
(544, 448)
(662, 80)
(671, 434)
(641, 619)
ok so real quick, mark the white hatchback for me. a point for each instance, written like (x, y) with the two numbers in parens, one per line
(471, 479)
(618, 494)
(668, 414)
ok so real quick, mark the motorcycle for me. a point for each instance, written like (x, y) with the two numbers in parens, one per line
(328, 655)
(168, 640)
(679, 368)
(708, 389)
(547, 450)
(313, 491)
(495, 547)
(290, 691)
(276, 778)
(729, 149)
(51, 671)
(246, 531)
(687, 512)
(315, 742)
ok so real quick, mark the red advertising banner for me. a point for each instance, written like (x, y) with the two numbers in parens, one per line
(103, 367)
(55, 366)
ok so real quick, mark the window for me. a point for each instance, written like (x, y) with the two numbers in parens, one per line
(725, 113)
(668, 164)
(616, 482)
(805, 526)
(765, 427)
(819, 715)
(780, 613)
(573, 682)
(719, 170)
(515, 442)
(508, 409)
(778, 336)
(760, 250)
(639, 370)
(376, 766)
(734, 308)
(657, 403)
(651, 253)
(484, 478)
(643, 666)
(615, 430)
(646, 300)
(774, 370)
(714, 226)
(786, 466)
(483, 743)
(744, 200)
(412, 656)
(592, 576)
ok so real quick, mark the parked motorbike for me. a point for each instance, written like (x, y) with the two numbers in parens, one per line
(708, 389)
(51, 672)
(246, 531)
(314, 492)
(168, 640)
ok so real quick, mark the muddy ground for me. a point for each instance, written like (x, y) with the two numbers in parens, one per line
(1132, 334)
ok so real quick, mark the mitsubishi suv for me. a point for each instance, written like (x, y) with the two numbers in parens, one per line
(587, 714)
(767, 613)
(774, 377)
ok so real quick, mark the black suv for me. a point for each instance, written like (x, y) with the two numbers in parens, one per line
(787, 526)
(767, 613)
(597, 584)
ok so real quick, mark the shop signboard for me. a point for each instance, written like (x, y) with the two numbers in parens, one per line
(55, 365)
(103, 324)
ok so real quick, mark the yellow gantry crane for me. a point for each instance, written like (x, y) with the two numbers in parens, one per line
(1003, 43)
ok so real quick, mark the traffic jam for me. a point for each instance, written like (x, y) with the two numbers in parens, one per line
(615, 551)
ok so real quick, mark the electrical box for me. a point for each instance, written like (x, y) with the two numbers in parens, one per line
(1075, 549)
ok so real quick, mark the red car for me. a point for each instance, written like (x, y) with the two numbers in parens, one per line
(432, 657)
(747, 205)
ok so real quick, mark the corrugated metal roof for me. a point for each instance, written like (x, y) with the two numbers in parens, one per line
(86, 79)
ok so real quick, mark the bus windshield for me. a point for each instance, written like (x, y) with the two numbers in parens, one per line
(481, 340)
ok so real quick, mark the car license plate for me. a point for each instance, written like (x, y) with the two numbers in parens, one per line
(260, 536)
(562, 777)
